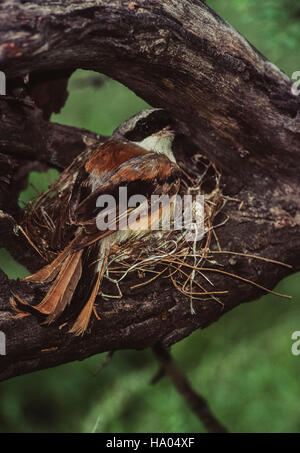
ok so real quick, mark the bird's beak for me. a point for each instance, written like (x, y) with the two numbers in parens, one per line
(166, 132)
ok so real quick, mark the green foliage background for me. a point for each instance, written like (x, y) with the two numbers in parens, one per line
(243, 364)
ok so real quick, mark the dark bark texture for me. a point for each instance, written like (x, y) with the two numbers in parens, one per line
(228, 102)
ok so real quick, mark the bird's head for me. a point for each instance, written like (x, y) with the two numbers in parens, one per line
(150, 129)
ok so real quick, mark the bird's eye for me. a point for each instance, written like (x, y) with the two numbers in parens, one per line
(156, 121)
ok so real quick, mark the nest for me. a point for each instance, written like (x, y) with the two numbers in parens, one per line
(167, 254)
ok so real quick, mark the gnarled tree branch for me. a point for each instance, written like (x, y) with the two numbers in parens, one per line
(228, 102)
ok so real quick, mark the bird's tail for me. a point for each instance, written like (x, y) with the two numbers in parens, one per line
(65, 271)
(81, 323)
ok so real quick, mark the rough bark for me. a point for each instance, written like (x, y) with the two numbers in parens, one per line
(228, 102)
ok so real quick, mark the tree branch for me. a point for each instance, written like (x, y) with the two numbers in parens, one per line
(228, 102)
(197, 403)
(179, 56)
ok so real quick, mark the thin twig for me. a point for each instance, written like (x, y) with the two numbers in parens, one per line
(158, 376)
(196, 402)
(105, 362)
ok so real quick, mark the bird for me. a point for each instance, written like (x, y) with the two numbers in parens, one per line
(143, 165)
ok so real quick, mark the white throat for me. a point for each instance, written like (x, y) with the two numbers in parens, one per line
(159, 144)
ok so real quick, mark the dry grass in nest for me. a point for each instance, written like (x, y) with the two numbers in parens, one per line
(186, 264)
(167, 254)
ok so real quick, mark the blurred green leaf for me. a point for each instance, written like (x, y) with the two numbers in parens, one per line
(38, 182)
(10, 266)
(101, 110)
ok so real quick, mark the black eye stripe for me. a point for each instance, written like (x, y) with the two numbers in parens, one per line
(140, 128)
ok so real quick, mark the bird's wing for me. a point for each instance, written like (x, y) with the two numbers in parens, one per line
(146, 174)
(99, 167)
(111, 155)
